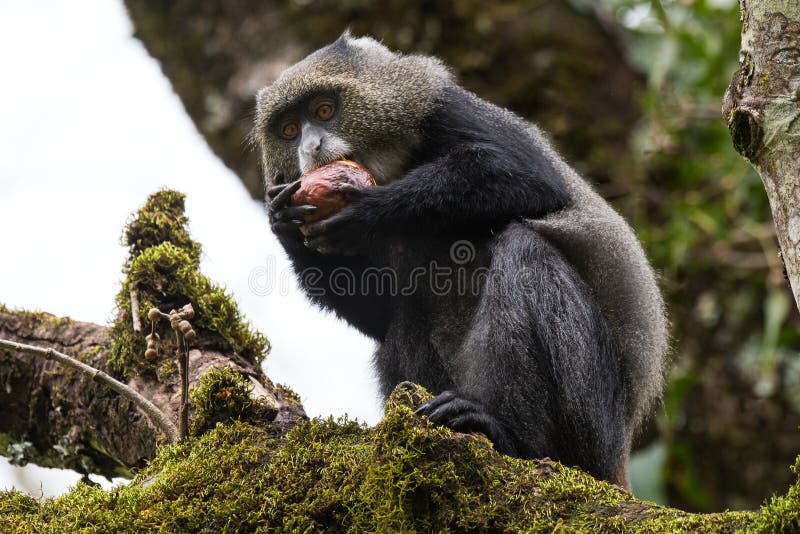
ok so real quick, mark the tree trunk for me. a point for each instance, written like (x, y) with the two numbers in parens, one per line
(762, 107)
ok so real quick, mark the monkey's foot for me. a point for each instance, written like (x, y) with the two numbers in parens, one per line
(467, 416)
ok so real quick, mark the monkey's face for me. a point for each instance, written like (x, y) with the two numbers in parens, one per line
(314, 132)
(353, 99)
(311, 130)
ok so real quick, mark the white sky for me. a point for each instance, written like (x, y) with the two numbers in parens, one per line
(89, 127)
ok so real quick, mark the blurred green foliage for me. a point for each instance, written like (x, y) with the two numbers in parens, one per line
(731, 411)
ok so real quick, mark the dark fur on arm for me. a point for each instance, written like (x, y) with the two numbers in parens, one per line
(467, 173)
(368, 312)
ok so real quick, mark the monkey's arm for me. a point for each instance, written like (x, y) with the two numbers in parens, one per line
(473, 186)
(332, 282)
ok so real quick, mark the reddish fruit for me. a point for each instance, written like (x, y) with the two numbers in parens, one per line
(322, 187)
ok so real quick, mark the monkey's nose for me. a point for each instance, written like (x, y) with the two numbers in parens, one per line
(312, 146)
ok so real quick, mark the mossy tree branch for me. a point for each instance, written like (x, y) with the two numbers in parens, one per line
(55, 417)
(403, 475)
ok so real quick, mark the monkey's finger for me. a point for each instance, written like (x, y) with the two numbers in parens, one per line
(320, 227)
(279, 178)
(473, 422)
(282, 198)
(275, 189)
(294, 212)
(486, 425)
(428, 407)
(452, 409)
(286, 226)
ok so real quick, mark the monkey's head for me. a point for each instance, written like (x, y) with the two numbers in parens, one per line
(353, 99)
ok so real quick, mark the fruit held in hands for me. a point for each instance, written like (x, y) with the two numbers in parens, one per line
(326, 187)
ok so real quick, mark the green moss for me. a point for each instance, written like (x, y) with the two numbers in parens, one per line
(15, 506)
(287, 393)
(164, 271)
(161, 219)
(781, 514)
(225, 395)
(403, 475)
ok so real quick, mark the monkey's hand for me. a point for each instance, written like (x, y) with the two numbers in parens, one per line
(467, 416)
(348, 232)
(285, 220)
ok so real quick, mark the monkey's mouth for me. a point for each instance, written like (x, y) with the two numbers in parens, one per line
(349, 156)
(332, 158)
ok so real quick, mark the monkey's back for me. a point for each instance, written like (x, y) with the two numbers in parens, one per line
(604, 250)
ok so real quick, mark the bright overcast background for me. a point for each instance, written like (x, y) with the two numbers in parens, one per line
(89, 126)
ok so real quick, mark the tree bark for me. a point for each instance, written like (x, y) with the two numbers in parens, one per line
(762, 107)
(59, 418)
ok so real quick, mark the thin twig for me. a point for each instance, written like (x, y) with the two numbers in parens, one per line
(179, 322)
(158, 417)
(183, 371)
(137, 322)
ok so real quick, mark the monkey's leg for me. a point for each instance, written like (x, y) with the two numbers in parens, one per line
(537, 369)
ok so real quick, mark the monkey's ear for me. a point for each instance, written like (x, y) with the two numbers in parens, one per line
(345, 38)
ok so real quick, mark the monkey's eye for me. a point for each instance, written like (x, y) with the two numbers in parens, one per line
(290, 130)
(325, 112)
(323, 108)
